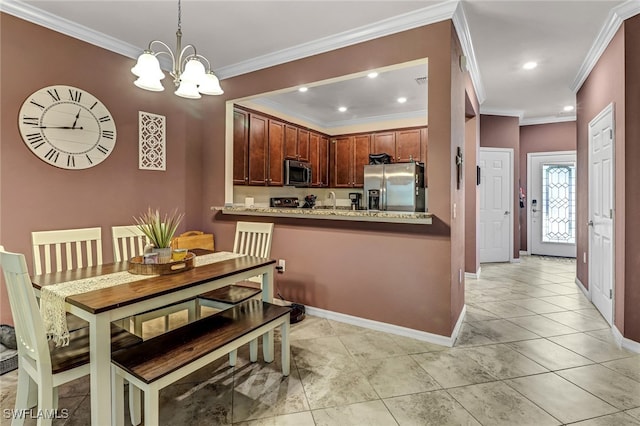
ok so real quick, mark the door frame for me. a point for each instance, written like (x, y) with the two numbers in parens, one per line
(609, 109)
(530, 157)
(509, 151)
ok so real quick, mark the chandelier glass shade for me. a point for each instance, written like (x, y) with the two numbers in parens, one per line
(190, 77)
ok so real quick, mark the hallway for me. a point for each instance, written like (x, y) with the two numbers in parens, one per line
(532, 351)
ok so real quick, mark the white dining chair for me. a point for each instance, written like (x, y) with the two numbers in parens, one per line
(129, 241)
(252, 239)
(40, 363)
(68, 248)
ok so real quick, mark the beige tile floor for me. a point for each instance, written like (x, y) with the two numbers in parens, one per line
(532, 351)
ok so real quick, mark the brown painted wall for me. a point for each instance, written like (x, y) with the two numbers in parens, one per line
(391, 273)
(37, 196)
(604, 85)
(504, 132)
(541, 138)
(631, 295)
(400, 274)
(471, 190)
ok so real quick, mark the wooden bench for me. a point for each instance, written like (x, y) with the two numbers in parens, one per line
(158, 362)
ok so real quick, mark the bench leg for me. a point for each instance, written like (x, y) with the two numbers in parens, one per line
(135, 409)
(151, 407)
(284, 337)
(267, 346)
(253, 350)
(233, 357)
(117, 398)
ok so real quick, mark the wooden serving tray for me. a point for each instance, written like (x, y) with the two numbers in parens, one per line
(137, 267)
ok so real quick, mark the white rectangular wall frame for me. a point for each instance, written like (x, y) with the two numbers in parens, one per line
(152, 149)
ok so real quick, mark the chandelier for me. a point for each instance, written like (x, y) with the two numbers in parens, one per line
(189, 75)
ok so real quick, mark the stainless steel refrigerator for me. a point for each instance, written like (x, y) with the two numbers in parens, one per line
(395, 187)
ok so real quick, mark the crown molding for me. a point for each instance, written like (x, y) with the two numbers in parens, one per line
(503, 112)
(616, 17)
(460, 23)
(547, 120)
(407, 21)
(53, 22)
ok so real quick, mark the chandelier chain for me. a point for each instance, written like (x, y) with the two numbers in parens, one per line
(179, 16)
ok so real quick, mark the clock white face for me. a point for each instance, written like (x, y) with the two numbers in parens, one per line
(67, 127)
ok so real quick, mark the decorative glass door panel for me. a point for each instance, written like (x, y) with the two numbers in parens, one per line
(558, 203)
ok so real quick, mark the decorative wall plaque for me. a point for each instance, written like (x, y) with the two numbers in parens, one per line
(152, 150)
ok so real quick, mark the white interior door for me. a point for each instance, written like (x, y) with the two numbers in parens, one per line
(496, 203)
(552, 204)
(601, 190)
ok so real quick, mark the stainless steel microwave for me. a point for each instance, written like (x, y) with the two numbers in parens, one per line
(297, 173)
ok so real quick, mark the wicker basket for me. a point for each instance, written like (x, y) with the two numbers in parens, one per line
(136, 266)
(8, 360)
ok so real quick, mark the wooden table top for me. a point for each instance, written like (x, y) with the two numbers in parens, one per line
(105, 299)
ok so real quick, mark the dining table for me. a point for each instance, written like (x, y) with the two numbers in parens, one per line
(101, 306)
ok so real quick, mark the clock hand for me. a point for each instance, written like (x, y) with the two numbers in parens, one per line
(59, 127)
(74, 123)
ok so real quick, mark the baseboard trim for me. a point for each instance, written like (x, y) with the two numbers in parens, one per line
(628, 344)
(583, 288)
(471, 275)
(391, 328)
(515, 260)
(524, 253)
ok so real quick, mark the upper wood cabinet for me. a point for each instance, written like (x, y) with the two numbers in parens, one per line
(319, 159)
(275, 175)
(296, 144)
(240, 147)
(402, 145)
(408, 145)
(350, 154)
(266, 139)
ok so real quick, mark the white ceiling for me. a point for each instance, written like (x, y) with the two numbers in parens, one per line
(241, 36)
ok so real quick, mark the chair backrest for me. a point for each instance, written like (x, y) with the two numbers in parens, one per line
(253, 239)
(60, 242)
(30, 335)
(128, 241)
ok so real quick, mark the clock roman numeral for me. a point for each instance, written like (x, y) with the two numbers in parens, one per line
(102, 149)
(104, 119)
(108, 134)
(75, 95)
(54, 94)
(30, 121)
(32, 102)
(94, 104)
(89, 159)
(52, 155)
(71, 161)
(34, 137)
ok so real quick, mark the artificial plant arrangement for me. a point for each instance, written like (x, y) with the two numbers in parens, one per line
(159, 229)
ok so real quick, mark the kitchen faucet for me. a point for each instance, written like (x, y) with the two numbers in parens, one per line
(332, 195)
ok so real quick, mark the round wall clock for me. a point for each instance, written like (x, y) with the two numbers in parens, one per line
(67, 127)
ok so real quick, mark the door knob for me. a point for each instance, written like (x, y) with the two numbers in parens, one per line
(590, 223)
(506, 213)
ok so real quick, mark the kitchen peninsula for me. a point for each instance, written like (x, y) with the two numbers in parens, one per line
(332, 214)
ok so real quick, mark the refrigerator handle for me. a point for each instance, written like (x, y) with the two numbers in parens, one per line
(383, 197)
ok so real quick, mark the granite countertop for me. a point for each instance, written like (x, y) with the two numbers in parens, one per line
(331, 214)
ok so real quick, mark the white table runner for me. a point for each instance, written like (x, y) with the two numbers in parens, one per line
(52, 297)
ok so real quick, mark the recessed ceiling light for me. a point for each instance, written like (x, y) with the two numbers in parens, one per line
(568, 108)
(342, 109)
(372, 74)
(303, 89)
(530, 65)
(402, 100)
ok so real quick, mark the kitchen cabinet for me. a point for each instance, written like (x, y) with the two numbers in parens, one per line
(296, 143)
(350, 154)
(266, 138)
(319, 159)
(402, 145)
(240, 147)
